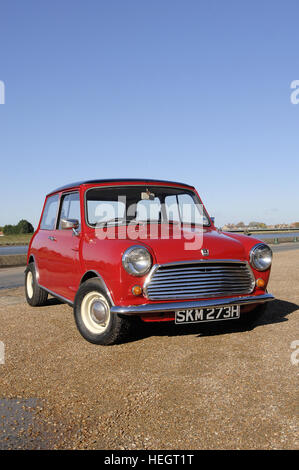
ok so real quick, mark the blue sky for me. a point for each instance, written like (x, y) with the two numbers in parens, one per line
(190, 90)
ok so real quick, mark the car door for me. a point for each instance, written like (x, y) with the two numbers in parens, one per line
(65, 261)
(43, 241)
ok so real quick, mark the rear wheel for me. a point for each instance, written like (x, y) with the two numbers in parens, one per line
(35, 296)
(94, 319)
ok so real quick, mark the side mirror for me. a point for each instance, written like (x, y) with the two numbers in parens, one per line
(212, 219)
(69, 224)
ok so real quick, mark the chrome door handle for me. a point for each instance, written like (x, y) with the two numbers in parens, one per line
(53, 239)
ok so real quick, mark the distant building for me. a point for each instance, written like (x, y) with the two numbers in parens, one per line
(1, 234)
(258, 226)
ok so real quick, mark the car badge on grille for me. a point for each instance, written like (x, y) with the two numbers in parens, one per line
(205, 252)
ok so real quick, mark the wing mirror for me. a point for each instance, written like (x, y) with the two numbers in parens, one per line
(69, 224)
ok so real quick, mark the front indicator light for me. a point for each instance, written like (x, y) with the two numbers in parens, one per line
(137, 290)
(260, 283)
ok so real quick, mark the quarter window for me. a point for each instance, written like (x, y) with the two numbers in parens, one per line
(50, 212)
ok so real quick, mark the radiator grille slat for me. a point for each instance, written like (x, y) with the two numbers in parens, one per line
(199, 280)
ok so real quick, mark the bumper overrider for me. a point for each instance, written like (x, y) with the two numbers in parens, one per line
(167, 307)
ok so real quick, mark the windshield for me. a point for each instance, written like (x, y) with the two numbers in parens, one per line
(143, 204)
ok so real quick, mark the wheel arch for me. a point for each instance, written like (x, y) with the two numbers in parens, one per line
(32, 259)
(95, 275)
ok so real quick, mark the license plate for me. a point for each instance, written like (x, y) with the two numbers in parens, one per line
(199, 315)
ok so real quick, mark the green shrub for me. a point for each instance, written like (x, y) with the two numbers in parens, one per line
(22, 227)
(25, 227)
(10, 229)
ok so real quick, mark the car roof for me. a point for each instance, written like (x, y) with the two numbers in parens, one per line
(121, 180)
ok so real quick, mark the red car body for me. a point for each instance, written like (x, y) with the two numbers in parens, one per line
(64, 261)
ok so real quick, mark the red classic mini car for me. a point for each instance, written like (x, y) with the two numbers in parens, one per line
(122, 250)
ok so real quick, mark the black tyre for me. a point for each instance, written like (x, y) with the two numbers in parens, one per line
(250, 318)
(35, 296)
(94, 319)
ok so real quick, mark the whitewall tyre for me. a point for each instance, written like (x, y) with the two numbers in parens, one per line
(93, 316)
(34, 294)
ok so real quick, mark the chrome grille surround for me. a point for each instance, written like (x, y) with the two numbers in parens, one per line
(199, 279)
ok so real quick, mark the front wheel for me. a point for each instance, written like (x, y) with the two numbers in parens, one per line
(93, 317)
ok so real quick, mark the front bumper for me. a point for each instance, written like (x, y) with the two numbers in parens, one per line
(167, 307)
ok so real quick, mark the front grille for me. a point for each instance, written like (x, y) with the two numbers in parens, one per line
(199, 279)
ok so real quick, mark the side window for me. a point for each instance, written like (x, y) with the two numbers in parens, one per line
(70, 208)
(50, 212)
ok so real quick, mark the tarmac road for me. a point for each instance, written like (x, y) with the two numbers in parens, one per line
(11, 277)
(13, 250)
(284, 247)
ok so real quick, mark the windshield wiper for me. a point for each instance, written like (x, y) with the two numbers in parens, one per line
(149, 221)
(110, 221)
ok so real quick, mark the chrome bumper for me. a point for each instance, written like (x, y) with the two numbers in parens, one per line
(167, 307)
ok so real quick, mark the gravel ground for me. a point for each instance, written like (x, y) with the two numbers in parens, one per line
(214, 386)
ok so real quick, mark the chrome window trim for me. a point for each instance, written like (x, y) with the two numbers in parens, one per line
(155, 267)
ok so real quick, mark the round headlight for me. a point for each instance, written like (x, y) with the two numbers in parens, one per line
(137, 260)
(261, 257)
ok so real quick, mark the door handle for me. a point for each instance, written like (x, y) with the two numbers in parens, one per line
(53, 239)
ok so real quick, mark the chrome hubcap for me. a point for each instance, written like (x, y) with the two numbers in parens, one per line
(99, 312)
(95, 312)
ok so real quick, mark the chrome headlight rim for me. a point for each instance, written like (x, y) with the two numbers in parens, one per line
(253, 260)
(128, 265)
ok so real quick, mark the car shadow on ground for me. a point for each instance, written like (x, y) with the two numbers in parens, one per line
(51, 301)
(276, 312)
